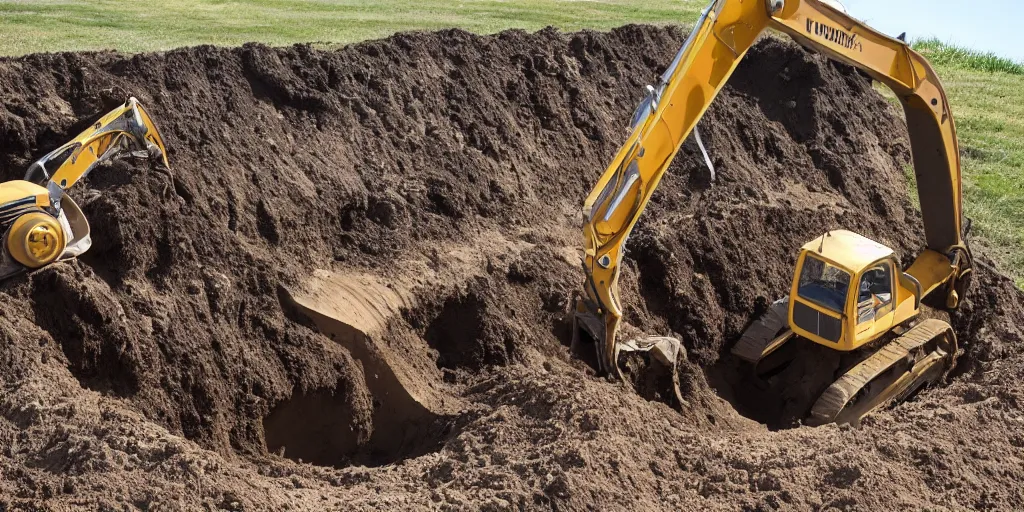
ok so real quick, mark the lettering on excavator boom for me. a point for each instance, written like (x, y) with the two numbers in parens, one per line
(835, 35)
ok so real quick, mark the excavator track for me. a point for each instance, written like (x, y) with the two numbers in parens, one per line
(919, 357)
(765, 342)
(757, 337)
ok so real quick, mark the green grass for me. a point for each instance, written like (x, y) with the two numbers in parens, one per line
(986, 91)
(953, 56)
(989, 111)
(53, 25)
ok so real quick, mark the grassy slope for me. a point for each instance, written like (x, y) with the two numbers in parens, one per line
(989, 112)
(987, 93)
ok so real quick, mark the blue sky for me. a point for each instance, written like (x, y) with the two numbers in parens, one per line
(989, 25)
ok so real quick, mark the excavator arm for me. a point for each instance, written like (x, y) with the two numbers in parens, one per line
(39, 221)
(127, 127)
(721, 37)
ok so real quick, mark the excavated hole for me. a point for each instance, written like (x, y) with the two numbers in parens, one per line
(398, 438)
(650, 379)
(455, 331)
(749, 396)
(783, 398)
(321, 427)
(460, 336)
(317, 427)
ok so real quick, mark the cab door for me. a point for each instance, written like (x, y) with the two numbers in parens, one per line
(876, 298)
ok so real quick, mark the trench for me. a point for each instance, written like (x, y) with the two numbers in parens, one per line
(317, 427)
(460, 334)
(784, 399)
(320, 427)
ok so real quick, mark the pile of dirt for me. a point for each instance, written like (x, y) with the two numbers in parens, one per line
(446, 170)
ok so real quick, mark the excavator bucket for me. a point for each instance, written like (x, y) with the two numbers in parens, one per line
(650, 365)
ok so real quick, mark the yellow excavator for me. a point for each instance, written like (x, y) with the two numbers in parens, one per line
(848, 293)
(41, 224)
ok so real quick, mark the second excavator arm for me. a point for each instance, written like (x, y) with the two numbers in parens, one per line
(127, 127)
(721, 37)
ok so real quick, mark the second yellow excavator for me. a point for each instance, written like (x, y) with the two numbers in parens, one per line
(848, 293)
(40, 223)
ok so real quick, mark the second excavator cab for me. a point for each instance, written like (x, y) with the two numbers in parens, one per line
(848, 290)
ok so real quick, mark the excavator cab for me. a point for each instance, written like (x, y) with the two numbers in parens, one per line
(847, 291)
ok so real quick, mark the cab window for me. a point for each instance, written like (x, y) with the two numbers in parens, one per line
(823, 284)
(874, 296)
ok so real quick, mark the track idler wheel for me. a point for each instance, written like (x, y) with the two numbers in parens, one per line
(35, 240)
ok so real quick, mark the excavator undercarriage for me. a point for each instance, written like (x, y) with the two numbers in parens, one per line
(885, 372)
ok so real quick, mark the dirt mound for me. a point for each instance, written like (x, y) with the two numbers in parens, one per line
(167, 367)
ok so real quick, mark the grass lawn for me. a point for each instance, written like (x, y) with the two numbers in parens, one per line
(988, 107)
(986, 92)
(52, 25)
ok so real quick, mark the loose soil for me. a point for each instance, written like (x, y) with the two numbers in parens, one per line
(167, 369)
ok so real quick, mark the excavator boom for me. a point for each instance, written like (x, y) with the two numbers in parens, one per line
(721, 37)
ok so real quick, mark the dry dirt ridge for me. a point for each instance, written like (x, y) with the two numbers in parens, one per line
(440, 175)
